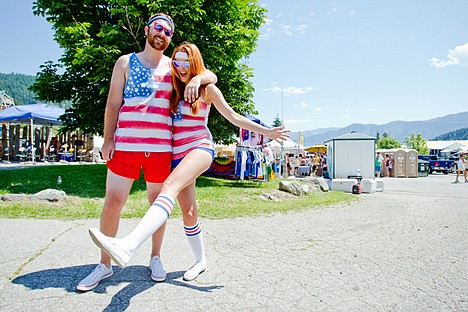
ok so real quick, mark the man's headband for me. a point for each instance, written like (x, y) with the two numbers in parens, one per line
(162, 18)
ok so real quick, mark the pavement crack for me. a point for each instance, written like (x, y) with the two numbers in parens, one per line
(39, 253)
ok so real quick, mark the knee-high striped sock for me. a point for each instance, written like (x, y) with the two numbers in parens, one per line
(195, 238)
(156, 215)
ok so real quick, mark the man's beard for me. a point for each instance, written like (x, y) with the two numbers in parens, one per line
(157, 45)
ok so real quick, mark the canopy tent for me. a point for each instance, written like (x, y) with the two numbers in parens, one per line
(256, 120)
(317, 148)
(42, 114)
(288, 146)
(455, 147)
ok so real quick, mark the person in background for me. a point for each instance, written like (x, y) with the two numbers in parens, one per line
(193, 153)
(461, 167)
(388, 165)
(315, 162)
(378, 165)
(138, 135)
(268, 153)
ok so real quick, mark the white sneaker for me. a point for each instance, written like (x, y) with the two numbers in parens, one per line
(99, 273)
(158, 274)
(111, 246)
(194, 271)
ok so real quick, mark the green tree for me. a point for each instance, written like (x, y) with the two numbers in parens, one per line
(417, 142)
(276, 122)
(387, 142)
(94, 33)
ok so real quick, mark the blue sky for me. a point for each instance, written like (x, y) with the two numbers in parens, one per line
(337, 62)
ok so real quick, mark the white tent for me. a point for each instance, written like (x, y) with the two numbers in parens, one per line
(287, 145)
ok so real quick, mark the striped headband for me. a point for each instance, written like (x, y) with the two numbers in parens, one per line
(162, 18)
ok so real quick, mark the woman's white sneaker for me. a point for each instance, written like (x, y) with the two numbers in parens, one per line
(111, 246)
(99, 273)
(194, 271)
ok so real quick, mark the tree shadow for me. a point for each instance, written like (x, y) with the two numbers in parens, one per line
(138, 278)
(207, 181)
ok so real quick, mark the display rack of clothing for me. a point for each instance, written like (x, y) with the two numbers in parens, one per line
(251, 163)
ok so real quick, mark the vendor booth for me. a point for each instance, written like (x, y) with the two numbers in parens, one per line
(250, 161)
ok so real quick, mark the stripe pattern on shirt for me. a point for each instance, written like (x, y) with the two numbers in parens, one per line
(191, 131)
(144, 119)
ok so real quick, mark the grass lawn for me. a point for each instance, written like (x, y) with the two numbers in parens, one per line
(85, 187)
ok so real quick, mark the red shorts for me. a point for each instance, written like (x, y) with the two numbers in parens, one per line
(156, 166)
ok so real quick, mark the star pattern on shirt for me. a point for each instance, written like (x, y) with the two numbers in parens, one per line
(139, 83)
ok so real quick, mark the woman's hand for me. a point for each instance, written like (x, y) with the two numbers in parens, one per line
(278, 134)
(191, 89)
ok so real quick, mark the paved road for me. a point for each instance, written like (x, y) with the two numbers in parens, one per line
(404, 249)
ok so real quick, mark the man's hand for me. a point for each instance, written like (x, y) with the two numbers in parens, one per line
(108, 149)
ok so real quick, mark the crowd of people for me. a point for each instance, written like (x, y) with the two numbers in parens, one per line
(313, 164)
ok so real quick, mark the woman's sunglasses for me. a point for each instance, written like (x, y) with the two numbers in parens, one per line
(160, 28)
(177, 63)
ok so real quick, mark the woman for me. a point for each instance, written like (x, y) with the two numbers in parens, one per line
(461, 167)
(193, 153)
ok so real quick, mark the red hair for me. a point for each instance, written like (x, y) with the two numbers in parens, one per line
(197, 67)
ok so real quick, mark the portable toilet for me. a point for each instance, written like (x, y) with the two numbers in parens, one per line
(399, 163)
(350, 154)
(411, 163)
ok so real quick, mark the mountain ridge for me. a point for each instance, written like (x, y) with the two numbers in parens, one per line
(398, 129)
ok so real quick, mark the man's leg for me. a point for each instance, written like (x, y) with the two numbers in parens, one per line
(117, 190)
(158, 236)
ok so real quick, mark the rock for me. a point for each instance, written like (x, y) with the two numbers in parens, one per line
(51, 195)
(318, 183)
(13, 197)
(292, 187)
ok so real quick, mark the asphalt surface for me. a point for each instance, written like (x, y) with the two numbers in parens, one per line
(403, 249)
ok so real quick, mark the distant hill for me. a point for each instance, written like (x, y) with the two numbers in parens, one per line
(16, 86)
(460, 134)
(429, 129)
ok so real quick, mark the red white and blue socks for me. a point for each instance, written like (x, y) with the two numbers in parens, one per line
(156, 215)
(195, 238)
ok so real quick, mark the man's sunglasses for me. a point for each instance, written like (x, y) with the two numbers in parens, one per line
(177, 63)
(160, 28)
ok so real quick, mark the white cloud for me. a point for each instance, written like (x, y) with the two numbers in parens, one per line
(290, 90)
(300, 105)
(457, 56)
(291, 30)
(296, 121)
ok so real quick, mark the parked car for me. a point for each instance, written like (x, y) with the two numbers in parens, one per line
(438, 164)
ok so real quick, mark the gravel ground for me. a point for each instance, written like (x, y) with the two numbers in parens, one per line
(403, 249)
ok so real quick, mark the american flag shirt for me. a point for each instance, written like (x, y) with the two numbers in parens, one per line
(145, 122)
(190, 131)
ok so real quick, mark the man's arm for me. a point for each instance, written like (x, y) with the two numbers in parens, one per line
(192, 88)
(114, 102)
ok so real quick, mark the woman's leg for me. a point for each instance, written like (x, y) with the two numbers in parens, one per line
(121, 250)
(193, 231)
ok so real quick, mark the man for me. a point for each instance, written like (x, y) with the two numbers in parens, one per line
(138, 135)
(378, 165)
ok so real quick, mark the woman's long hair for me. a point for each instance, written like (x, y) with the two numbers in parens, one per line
(196, 67)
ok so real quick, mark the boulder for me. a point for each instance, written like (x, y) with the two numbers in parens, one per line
(292, 187)
(13, 197)
(50, 195)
